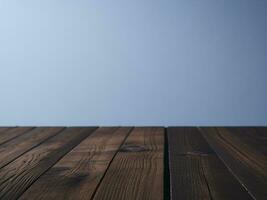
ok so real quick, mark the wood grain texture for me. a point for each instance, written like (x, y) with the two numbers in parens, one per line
(244, 157)
(137, 170)
(254, 137)
(8, 134)
(3, 129)
(78, 173)
(195, 170)
(18, 175)
(14, 148)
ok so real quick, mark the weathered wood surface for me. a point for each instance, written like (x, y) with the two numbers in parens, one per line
(14, 148)
(243, 151)
(77, 175)
(3, 129)
(195, 170)
(18, 175)
(7, 134)
(137, 170)
(133, 163)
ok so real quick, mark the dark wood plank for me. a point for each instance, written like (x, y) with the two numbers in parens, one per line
(261, 132)
(254, 137)
(137, 170)
(10, 133)
(195, 170)
(12, 149)
(242, 156)
(78, 173)
(18, 175)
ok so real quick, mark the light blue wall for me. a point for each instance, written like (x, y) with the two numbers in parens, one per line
(142, 62)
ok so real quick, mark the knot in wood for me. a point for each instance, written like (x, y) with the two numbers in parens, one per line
(132, 148)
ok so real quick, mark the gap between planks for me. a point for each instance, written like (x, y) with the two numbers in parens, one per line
(244, 154)
(220, 151)
(19, 175)
(78, 174)
(195, 170)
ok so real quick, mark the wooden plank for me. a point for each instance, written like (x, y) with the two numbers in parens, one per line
(10, 133)
(254, 137)
(12, 149)
(261, 132)
(196, 172)
(3, 129)
(18, 175)
(137, 170)
(242, 156)
(78, 173)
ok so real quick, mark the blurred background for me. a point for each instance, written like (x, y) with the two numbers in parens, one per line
(142, 62)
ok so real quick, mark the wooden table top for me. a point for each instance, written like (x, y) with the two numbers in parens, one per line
(132, 163)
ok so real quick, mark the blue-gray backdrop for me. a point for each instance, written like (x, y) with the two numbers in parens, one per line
(141, 62)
